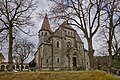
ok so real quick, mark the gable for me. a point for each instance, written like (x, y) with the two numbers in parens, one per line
(66, 25)
(58, 32)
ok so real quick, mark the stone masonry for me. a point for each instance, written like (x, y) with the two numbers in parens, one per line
(62, 49)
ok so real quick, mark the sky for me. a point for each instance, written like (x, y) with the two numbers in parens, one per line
(43, 6)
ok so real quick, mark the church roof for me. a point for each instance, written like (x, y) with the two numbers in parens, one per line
(66, 25)
(1, 56)
(86, 50)
(45, 24)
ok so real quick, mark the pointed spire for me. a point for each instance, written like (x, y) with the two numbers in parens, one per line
(45, 24)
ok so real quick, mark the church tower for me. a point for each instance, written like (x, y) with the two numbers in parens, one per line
(43, 54)
(45, 31)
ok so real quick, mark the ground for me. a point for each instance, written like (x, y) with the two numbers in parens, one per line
(57, 75)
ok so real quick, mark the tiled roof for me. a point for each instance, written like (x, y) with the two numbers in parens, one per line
(66, 25)
(45, 24)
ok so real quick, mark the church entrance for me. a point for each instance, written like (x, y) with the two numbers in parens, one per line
(74, 62)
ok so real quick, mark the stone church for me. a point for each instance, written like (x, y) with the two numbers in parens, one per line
(61, 49)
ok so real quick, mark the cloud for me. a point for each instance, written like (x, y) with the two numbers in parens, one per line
(44, 5)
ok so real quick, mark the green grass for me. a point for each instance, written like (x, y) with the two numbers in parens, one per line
(57, 75)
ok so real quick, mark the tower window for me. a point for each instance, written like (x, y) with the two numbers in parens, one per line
(46, 60)
(87, 63)
(68, 33)
(58, 60)
(57, 44)
(42, 33)
(45, 33)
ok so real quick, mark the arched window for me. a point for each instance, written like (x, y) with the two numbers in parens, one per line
(69, 44)
(46, 60)
(57, 44)
(45, 33)
(87, 63)
(58, 60)
(2, 67)
(41, 33)
(68, 33)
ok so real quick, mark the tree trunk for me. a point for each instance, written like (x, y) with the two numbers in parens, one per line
(110, 50)
(91, 52)
(111, 33)
(10, 47)
(21, 65)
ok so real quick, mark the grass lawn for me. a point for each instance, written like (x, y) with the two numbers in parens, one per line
(57, 75)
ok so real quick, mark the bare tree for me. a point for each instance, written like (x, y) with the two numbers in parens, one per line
(116, 50)
(16, 59)
(22, 49)
(112, 23)
(15, 15)
(85, 14)
(116, 43)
